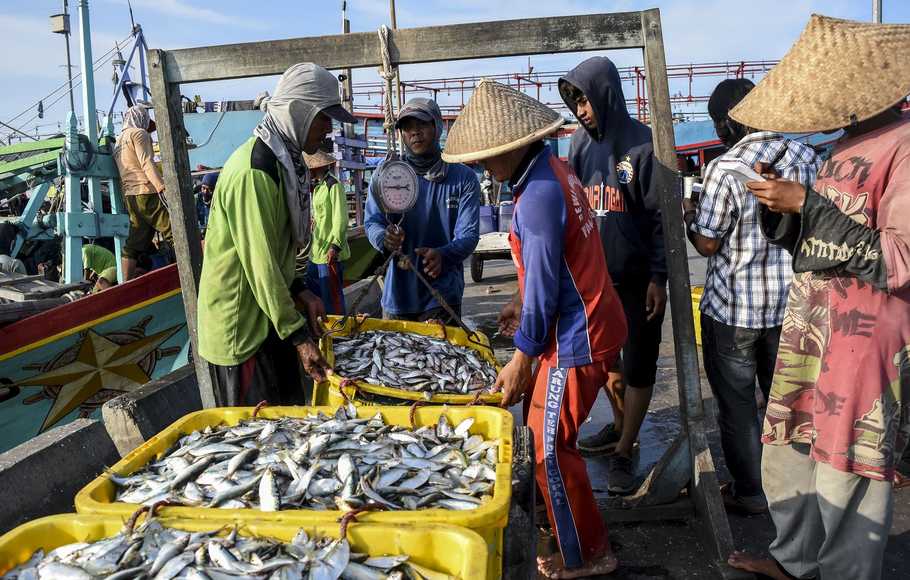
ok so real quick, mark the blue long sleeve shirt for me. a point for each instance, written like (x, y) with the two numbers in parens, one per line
(446, 218)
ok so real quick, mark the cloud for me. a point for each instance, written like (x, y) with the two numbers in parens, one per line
(185, 10)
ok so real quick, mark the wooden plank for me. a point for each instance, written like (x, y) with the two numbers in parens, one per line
(709, 507)
(613, 511)
(175, 163)
(409, 45)
(706, 490)
(671, 211)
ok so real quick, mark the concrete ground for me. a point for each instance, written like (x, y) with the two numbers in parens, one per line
(669, 549)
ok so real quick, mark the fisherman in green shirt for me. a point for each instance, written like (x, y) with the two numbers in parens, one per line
(95, 260)
(329, 247)
(250, 328)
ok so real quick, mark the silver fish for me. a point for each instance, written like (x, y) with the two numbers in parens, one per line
(319, 462)
(412, 362)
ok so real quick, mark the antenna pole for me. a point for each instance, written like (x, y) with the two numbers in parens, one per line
(69, 64)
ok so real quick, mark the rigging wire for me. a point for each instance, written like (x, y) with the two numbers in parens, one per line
(99, 62)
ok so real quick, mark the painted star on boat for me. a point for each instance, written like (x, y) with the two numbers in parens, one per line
(100, 364)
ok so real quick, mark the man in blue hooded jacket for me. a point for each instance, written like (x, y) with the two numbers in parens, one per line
(613, 156)
(438, 233)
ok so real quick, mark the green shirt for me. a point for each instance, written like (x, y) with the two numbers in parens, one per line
(330, 221)
(97, 259)
(249, 264)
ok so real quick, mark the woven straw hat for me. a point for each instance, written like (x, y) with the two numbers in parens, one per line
(838, 72)
(319, 159)
(496, 120)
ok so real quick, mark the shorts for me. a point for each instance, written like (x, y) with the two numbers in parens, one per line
(642, 348)
(148, 215)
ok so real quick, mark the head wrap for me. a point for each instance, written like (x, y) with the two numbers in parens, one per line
(302, 92)
(429, 165)
(136, 117)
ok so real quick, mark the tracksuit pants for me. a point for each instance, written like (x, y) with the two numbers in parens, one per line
(559, 404)
(327, 282)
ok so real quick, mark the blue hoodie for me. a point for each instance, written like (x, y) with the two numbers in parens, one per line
(617, 160)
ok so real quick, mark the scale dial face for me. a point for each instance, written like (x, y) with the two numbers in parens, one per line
(397, 187)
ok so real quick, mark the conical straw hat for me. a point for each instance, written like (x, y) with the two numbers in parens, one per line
(838, 72)
(496, 120)
(318, 159)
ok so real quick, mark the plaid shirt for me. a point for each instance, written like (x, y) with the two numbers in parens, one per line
(748, 278)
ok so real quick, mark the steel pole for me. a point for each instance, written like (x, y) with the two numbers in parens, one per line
(877, 11)
(88, 74)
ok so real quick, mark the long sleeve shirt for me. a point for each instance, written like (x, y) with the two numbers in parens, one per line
(330, 221)
(570, 315)
(748, 278)
(842, 379)
(250, 260)
(136, 163)
(446, 217)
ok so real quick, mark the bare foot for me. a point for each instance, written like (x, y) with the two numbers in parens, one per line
(552, 566)
(765, 566)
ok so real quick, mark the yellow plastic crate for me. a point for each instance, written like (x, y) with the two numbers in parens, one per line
(488, 520)
(329, 392)
(447, 549)
(697, 291)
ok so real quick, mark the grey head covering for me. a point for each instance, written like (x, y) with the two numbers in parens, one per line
(303, 91)
(429, 165)
(136, 117)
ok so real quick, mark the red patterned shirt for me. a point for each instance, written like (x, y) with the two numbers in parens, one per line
(842, 381)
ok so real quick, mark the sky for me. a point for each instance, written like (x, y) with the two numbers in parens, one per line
(694, 31)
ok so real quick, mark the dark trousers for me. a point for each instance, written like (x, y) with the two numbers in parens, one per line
(272, 374)
(734, 358)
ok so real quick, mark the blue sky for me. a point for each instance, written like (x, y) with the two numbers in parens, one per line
(695, 31)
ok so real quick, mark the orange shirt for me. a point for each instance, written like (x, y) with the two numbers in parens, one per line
(135, 161)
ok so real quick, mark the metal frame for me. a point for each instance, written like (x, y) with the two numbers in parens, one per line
(688, 462)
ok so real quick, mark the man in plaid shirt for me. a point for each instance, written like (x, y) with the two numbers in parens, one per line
(745, 294)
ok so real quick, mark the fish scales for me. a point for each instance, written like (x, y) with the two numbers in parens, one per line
(323, 462)
(163, 553)
(412, 362)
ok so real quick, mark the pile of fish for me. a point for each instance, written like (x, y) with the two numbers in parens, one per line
(412, 362)
(152, 551)
(321, 462)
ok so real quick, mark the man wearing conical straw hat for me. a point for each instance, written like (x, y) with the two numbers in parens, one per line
(837, 418)
(566, 314)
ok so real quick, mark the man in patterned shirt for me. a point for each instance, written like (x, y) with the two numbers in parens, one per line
(838, 418)
(746, 287)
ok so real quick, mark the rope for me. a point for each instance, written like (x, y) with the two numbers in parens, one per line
(342, 385)
(388, 72)
(412, 415)
(259, 408)
(351, 516)
(477, 400)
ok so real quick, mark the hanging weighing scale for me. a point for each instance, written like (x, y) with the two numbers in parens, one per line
(398, 187)
(396, 195)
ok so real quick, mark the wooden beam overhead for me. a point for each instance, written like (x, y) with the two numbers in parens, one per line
(409, 46)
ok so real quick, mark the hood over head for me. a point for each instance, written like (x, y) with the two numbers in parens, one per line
(599, 80)
(302, 92)
(429, 165)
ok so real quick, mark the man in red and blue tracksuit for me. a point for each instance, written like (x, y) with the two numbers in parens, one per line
(570, 318)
